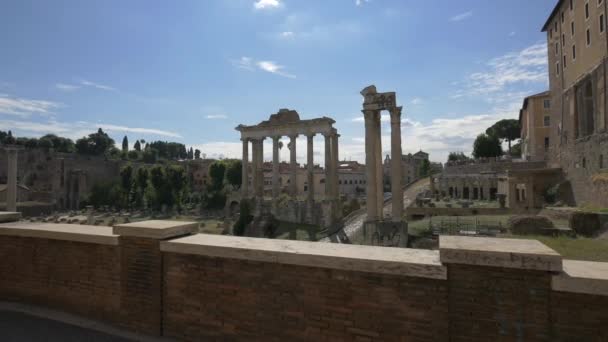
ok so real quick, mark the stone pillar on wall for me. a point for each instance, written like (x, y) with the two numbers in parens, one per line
(370, 163)
(293, 181)
(275, 167)
(379, 169)
(396, 188)
(499, 285)
(141, 271)
(310, 167)
(328, 166)
(11, 175)
(334, 168)
(245, 170)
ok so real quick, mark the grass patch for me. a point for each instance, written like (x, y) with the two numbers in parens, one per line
(298, 231)
(574, 248)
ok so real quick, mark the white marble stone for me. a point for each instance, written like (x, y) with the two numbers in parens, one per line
(61, 231)
(9, 216)
(398, 261)
(156, 229)
(582, 277)
(496, 252)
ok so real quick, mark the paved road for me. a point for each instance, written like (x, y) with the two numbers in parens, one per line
(355, 222)
(18, 327)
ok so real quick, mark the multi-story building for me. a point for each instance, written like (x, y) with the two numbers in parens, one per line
(410, 167)
(577, 54)
(535, 123)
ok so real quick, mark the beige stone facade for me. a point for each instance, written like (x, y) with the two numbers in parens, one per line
(410, 166)
(535, 123)
(578, 52)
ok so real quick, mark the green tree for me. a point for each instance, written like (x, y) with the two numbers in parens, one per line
(424, 169)
(217, 170)
(457, 156)
(190, 153)
(10, 140)
(125, 144)
(234, 173)
(137, 146)
(176, 180)
(157, 179)
(141, 184)
(516, 150)
(506, 129)
(487, 146)
(95, 144)
(133, 155)
(126, 182)
(149, 155)
(197, 154)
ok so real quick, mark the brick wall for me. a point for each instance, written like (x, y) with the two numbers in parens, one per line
(76, 277)
(218, 298)
(579, 317)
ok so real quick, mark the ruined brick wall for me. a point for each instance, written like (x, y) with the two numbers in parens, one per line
(227, 299)
(579, 317)
(75, 277)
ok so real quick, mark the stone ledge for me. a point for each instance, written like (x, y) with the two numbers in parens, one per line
(9, 216)
(585, 277)
(60, 231)
(156, 229)
(397, 261)
(495, 252)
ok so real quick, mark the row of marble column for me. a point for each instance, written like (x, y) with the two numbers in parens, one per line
(373, 165)
(257, 167)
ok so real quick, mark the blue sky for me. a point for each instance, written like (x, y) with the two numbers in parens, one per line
(190, 71)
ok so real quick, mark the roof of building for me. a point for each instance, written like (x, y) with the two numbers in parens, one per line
(524, 106)
(553, 13)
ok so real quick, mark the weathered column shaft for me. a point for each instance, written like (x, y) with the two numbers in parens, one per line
(328, 177)
(245, 161)
(370, 166)
(275, 167)
(261, 168)
(293, 182)
(396, 188)
(379, 170)
(11, 189)
(254, 168)
(310, 166)
(335, 161)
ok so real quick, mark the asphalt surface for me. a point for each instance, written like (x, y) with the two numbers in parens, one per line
(17, 327)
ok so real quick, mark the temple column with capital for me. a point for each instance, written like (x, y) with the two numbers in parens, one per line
(310, 166)
(370, 163)
(11, 175)
(335, 161)
(245, 162)
(378, 163)
(396, 189)
(328, 167)
(293, 180)
(275, 167)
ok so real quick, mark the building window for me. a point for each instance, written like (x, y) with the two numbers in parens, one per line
(564, 61)
(601, 23)
(571, 5)
(562, 17)
(547, 121)
(573, 52)
(585, 109)
(586, 11)
(588, 38)
(556, 49)
(555, 24)
(547, 104)
(546, 143)
(563, 39)
(584, 163)
(601, 161)
(572, 28)
(557, 68)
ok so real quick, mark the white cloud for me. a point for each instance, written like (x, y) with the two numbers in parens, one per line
(528, 66)
(274, 68)
(24, 107)
(462, 16)
(512, 34)
(66, 87)
(76, 130)
(361, 2)
(97, 85)
(287, 34)
(216, 116)
(250, 64)
(266, 4)
(416, 101)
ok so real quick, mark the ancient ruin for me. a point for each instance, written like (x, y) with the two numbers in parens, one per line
(321, 211)
(374, 103)
(11, 183)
